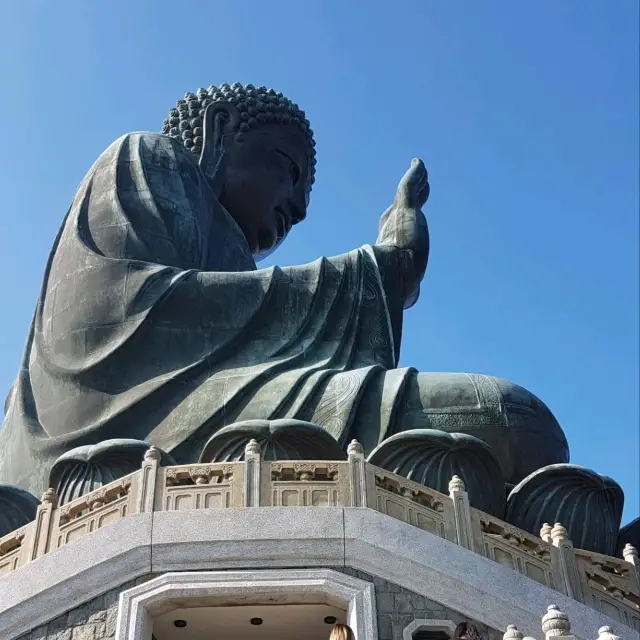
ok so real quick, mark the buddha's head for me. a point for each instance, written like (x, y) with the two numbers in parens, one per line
(258, 151)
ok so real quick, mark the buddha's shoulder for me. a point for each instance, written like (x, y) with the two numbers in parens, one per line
(151, 143)
(146, 136)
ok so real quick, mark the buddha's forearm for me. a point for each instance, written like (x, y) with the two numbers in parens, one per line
(401, 277)
(403, 245)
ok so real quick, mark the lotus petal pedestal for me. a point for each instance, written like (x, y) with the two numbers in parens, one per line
(629, 534)
(433, 457)
(587, 504)
(278, 439)
(17, 508)
(90, 467)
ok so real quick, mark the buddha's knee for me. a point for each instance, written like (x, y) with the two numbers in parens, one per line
(521, 429)
(535, 437)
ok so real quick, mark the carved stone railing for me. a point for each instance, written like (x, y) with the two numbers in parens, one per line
(304, 484)
(415, 504)
(557, 626)
(514, 548)
(91, 512)
(199, 486)
(607, 584)
(610, 584)
(12, 550)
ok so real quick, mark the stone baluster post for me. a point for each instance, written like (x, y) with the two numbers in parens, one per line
(545, 532)
(43, 524)
(252, 473)
(357, 478)
(556, 625)
(512, 632)
(606, 633)
(563, 563)
(461, 513)
(148, 481)
(630, 554)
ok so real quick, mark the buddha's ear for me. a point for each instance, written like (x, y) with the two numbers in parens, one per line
(220, 124)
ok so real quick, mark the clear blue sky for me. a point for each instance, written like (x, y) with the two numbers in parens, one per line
(526, 114)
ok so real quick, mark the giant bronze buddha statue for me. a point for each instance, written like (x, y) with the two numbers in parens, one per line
(154, 324)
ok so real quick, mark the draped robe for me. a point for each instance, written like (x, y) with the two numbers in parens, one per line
(154, 323)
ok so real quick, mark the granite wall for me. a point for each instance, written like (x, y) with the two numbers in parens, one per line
(396, 607)
(94, 620)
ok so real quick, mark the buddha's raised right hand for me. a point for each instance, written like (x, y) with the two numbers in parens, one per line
(403, 228)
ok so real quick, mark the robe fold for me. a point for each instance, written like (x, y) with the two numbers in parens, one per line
(153, 323)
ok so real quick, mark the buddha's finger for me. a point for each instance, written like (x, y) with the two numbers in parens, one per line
(421, 186)
(422, 182)
(413, 173)
(418, 166)
(423, 195)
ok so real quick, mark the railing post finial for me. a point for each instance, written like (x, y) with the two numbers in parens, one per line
(630, 553)
(355, 449)
(50, 496)
(152, 454)
(456, 484)
(555, 623)
(606, 633)
(512, 632)
(252, 448)
(545, 532)
(252, 473)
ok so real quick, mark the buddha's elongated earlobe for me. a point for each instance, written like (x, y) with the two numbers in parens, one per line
(220, 124)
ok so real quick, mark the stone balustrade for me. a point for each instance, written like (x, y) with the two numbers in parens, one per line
(607, 584)
(557, 626)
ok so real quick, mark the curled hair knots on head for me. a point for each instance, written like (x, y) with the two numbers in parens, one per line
(254, 104)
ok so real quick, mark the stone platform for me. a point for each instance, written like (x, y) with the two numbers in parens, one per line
(409, 556)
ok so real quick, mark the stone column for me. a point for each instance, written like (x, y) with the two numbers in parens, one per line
(630, 554)
(357, 474)
(43, 524)
(556, 625)
(563, 562)
(461, 513)
(147, 489)
(252, 469)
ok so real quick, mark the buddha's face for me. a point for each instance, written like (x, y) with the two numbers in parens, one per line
(264, 185)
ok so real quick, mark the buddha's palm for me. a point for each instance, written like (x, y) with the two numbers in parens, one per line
(404, 227)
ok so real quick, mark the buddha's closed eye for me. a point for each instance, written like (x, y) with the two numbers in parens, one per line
(295, 170)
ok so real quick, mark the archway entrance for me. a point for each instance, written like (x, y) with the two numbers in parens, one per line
(260, 605)
(267, 622)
